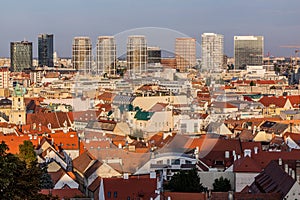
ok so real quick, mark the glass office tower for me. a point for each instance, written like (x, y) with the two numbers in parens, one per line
(45, 50)
(20, 55)
(248, 50)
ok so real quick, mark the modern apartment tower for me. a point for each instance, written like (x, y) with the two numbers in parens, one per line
(45, 50)
(106, 56)
(212, 51)
(248, 50)
(136, 55)
(185, 50)
(20, 55)
(82, 55)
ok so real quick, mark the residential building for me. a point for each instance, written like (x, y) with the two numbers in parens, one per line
(136, 55)
(4, 77)
(185, 50)
(82, 54)
(20, 55)
(212, 51)
(45, 50)
(106, 56)
(248, 50)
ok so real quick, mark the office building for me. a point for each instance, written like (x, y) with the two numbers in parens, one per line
(82, 55)
(45, 50)
(212, 51)
(248, 50)
(185, 50)
(106, 56)
(136, 55)
(20, 55)
(154, 54)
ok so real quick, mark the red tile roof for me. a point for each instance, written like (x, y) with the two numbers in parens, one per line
(63, 193)
(216, 104)
(185, 196)
(13, 142)
(106, 96)
(134, 187)
(56, 119)
(278, 101)
(246, 164)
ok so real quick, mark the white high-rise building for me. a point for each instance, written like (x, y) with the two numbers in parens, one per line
(82, 54)
(106, 55)
(212, 51)
(136, 55)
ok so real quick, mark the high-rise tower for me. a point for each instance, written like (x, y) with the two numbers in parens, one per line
(136, 55)
(45, 50)
(20, 55)
(82, 54)
(185, 50)
(212, 51)
(106, 55)
(248, 50)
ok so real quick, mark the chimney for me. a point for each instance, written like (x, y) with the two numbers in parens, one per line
(280, 161)
(125, 176)
(255, 150)
(286, 168)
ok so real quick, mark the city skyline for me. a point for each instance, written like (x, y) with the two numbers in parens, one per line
(275, 20)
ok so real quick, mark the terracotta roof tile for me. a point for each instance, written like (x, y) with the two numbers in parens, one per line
(63, 193)
(134, 187)
(82, 162)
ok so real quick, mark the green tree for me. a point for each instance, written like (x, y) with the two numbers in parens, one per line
(185, 181)
(17, 179)
(222, 185)
(26, 152)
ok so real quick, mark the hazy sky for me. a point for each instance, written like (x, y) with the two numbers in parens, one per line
(277, 20)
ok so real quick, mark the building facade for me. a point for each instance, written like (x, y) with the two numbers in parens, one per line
(20, 55)
(136, 55)
(82, 55)
(106, 56)
(154, 54)
(4, 77)
(248, 50)
(185, 50)
(45, 50)
(212, 51)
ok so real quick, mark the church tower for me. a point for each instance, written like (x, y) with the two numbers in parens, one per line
(18, 110)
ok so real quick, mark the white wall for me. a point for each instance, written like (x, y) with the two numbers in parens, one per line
(243, 179)
(208, 178)
(66, 180)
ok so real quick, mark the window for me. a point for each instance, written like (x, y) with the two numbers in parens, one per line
(175, 162)
(115, 194)
(108, 194)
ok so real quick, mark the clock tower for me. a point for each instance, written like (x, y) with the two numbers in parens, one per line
(18, 110)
